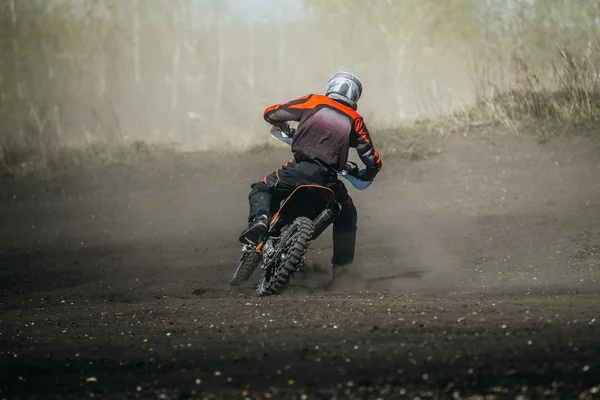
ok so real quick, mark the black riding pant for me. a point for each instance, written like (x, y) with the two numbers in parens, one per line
(267, 194)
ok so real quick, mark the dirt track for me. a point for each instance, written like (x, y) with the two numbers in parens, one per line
(477, 273)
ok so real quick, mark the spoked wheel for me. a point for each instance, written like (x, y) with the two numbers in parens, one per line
(289, 258)
(248, 263)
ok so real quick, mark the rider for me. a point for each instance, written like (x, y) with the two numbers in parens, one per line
(328, 126)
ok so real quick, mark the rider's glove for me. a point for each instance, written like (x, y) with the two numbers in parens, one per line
(287, 129)
(365, 175)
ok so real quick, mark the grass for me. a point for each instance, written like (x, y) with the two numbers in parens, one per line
(568, 103)
(20, 161)
(561, 100)
(418, 140)
(565, 101)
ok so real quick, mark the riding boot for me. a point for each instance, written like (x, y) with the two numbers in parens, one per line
(256, 230)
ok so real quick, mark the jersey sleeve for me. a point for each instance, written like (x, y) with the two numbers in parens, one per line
(284, 112)
(365, 148)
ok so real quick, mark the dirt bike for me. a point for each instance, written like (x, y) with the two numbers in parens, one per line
(301, 218)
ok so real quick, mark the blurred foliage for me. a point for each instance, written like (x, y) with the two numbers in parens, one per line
(19, 162)
(76, 73)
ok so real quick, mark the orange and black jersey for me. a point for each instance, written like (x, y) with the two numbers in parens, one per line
(327, 129)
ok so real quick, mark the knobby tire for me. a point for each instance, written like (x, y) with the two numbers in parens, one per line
(248, 263)
(294, 244)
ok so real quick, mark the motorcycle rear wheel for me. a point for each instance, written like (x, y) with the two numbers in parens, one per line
(292, 247)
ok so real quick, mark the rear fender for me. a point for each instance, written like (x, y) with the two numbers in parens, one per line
(305, 200)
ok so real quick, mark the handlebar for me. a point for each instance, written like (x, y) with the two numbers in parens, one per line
(351, 168)
(349, 172)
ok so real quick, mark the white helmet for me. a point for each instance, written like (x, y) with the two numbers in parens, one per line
(345, 84)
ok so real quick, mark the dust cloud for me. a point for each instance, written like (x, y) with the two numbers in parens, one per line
(110, 71)
(491, 214)
(78, 73)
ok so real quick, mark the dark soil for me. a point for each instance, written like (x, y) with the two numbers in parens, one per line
(477, 274)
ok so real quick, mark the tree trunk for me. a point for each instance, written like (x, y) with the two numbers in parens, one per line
(17, 58)
(220, 66)
(175, 78)
(136, 42)
(251, 58)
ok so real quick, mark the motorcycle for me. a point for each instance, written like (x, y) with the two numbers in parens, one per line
(301, 218)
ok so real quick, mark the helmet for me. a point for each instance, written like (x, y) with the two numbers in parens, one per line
(345, 84)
